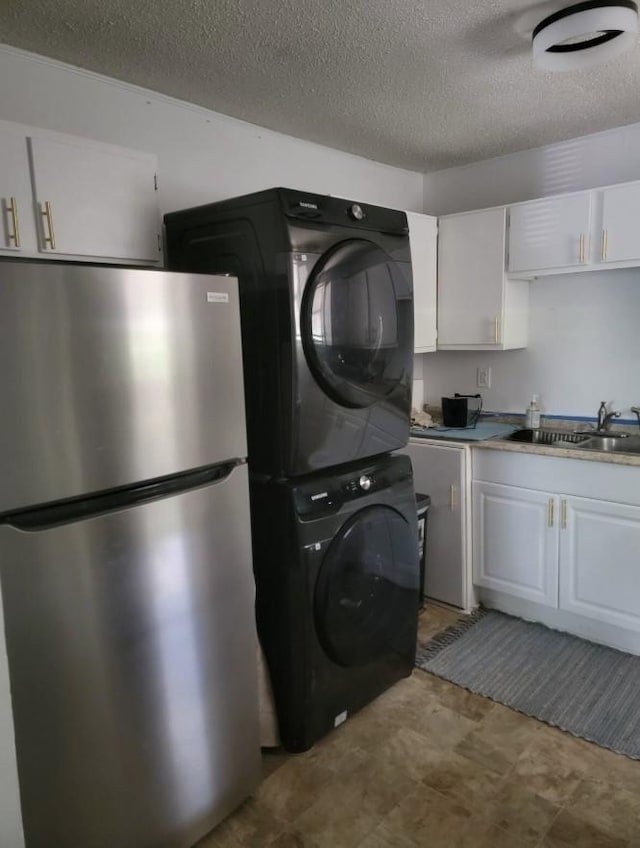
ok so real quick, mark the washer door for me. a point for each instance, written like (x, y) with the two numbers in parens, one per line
(367, 586)
(357, 323)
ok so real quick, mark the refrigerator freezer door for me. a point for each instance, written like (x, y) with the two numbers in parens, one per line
(113, 376)
(131, 646)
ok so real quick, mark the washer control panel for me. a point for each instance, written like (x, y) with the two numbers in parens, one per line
(365, 482)
(360, 485)
(325, 495)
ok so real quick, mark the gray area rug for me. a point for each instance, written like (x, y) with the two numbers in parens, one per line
(586, 689)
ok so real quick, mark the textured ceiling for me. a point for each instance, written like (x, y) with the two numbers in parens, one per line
(421, 84)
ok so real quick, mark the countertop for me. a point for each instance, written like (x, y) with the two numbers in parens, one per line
(498, 443)
(570, 452)
(483, 430)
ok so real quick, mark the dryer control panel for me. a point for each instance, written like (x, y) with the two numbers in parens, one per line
(342, 211)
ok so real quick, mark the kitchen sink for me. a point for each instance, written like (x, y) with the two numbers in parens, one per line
(613, 444)
(561, 438)
(621, 443)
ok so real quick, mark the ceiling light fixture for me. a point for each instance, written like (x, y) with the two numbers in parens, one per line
(585, 34)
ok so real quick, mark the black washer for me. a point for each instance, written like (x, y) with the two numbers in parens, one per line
(360, 590)
(337, 591)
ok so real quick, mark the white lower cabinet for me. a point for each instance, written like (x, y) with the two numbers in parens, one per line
(568, 558)
(442, 472)
(600, 561)
(515, 542)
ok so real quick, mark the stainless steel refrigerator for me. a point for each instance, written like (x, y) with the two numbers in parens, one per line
(128, 705)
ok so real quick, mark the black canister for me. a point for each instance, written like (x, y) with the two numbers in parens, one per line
(456, 412)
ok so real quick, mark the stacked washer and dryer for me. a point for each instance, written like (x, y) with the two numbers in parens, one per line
(327, 326)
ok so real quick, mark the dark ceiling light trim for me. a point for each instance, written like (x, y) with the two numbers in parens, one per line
(583, 7)
(583, 45)
(585, 34)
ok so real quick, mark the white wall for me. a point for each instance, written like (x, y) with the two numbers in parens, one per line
(203, 156)
(584, 348)
(584, 329)
(593, 160)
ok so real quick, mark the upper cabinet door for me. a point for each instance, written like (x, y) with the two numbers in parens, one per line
(617, 239)
(17, 230)
(95, 200)
(471, 278)
(423, 236)
(550, 233)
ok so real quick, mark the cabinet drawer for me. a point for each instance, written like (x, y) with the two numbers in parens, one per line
(580, 477)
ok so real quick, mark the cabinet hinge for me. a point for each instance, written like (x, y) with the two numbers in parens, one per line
(159, 243)
(155, 182)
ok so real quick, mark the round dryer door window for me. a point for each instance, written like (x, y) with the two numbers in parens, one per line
(357, 323)
(367, 587)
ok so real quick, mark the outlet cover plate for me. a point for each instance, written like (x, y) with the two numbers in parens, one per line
(483, 378)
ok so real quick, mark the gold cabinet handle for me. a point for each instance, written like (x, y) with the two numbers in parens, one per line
(581, 258)
(550, 512)
(605, 239)
(12, 209)
(453, 497)
(496, 330)
(563, 514)
(47, 214)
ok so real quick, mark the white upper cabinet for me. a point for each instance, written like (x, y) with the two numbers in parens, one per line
(423, 237)
(478, 307)
(616, 227)
(17, 228)
(95, 200)
(76, 199)
(550, 233)
(575, 232)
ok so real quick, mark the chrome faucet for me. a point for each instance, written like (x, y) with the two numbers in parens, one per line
(604, 417)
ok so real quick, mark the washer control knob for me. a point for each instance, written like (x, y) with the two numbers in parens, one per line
(356, 212)
(365, 482)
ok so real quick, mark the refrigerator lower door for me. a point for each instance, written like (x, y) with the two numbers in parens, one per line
(131, 646)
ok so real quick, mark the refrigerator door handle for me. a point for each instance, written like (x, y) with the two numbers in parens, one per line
(80, 509)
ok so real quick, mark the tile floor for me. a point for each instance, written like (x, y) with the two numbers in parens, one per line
(429, 764)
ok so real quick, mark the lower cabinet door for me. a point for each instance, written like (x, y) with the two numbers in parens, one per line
(439, 472)
(515, 541)
(600, 560)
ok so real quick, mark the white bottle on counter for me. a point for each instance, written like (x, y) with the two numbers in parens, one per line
(533, 413)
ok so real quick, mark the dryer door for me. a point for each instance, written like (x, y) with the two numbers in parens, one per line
(357, 323)
(367, 587)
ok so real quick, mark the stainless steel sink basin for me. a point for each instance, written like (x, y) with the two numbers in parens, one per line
(613, 444)
(621, 443)
(561, 438)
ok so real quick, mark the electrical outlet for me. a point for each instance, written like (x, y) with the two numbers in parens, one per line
(483, 378)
